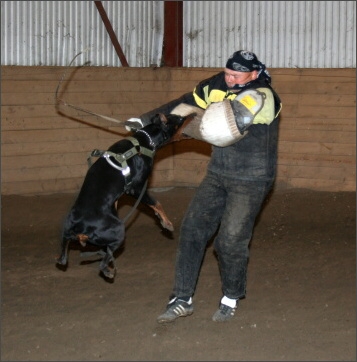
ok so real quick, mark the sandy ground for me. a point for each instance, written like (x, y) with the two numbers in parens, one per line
(300, 303)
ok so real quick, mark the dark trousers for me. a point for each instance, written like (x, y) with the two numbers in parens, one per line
(231, 206)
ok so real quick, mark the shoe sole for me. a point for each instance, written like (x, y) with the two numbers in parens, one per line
(163, 321)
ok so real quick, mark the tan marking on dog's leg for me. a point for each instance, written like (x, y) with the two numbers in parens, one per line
(82, 238)
(159, 211)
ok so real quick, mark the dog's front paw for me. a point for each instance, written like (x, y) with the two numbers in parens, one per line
(166, 224)
(160, 213)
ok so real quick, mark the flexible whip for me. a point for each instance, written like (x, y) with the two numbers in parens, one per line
(63, 102)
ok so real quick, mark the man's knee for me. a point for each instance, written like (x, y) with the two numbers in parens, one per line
(232, 246)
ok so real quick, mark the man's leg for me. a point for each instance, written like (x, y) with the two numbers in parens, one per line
(244, 202)
(200, 223)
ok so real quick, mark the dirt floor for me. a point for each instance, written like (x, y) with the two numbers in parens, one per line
(300, 303)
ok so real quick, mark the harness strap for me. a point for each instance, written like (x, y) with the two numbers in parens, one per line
(121, 158)
(142, 150)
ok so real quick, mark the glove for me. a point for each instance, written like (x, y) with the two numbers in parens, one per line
(245, 107)
(133, 124)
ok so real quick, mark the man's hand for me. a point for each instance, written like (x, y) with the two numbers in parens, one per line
(133, 124)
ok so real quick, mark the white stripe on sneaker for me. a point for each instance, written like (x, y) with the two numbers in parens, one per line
(179, 310)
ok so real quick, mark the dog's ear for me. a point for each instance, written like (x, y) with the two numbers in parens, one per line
(159, 118)
(163, 118)
(163, 122)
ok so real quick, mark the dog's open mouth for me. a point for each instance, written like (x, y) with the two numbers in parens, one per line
(191, 118)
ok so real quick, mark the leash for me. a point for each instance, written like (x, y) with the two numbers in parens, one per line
(125, 219)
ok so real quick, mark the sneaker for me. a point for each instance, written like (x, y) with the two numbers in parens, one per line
(224, 313)
(178, 308)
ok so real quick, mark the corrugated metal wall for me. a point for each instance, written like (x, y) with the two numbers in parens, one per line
(284, 34)
(52, 32)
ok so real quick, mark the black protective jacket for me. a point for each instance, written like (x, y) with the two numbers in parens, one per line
(251, 158)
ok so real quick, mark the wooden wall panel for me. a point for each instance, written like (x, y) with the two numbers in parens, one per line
(44, 147)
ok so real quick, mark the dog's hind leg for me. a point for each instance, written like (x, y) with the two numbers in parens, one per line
(112, 236)
(63, 258)
(109, 272)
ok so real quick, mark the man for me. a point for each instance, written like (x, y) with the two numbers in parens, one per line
(239, 177)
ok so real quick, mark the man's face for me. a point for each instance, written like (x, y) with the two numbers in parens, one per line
(232, 77)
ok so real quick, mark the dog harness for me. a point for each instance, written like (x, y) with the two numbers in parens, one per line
(121, 158)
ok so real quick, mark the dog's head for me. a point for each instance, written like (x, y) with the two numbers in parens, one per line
(168, 128)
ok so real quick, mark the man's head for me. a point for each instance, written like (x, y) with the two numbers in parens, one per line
(242, 67)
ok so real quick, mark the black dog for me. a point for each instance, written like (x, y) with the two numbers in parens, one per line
(124, 168)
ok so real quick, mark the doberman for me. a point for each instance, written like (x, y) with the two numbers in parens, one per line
(124, 168)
